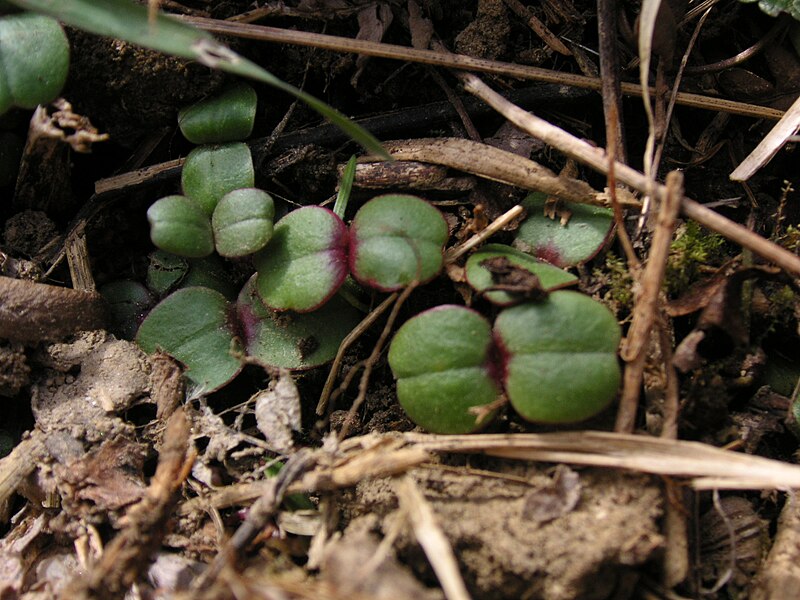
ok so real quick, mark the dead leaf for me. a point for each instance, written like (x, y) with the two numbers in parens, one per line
(106, 479)
(511, 138)
(421, 28)
(511, 278)
(559, 498)
(373, 21)
(720, 327)
(278, 412)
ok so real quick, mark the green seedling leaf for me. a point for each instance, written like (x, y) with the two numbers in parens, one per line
(212, 171)
(226, 117)
(498, 265)
(584, 235)
(34, 60)
(242, 222)
(179, 225)
(125, 20)
(345, 187)
(774, 7)
(560, 357)
(442, 362)
(165, 271)
(305, 262)
(210, 272)
(395, 240)
(128, 303)
(168, 272)
(293, 340)
(193, 326)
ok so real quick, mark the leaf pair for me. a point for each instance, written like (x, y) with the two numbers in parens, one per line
(240, 224)
(212, 336)
(394, 240)
(555, 360)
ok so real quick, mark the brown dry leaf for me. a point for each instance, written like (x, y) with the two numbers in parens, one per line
(721, 322)
(557, 499)
(421, 28)
(514, 279)
(67, 126)
(18, 551)
(696, 297)
(278, 412)
(373, 21)
(512, 139)
(104, 480)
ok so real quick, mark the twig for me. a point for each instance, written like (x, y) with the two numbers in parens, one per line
(460, 61)
(781, 571)
(348, 341)
(507, 217)
(770, 145)
(523, 12)
(493, 163)
(432, 539)
(645, 311)
(127, 556)
(34, 312)
(372, 359)
(272, 494)
(610, 77)
(596, 159)
(16, 466)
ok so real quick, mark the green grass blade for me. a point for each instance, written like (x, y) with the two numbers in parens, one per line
(124, 20)
(345, 187)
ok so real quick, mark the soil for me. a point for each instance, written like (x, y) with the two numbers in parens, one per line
(118, 477)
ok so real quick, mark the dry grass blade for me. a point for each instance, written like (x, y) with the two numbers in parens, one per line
(647, 25)
(431, 538)
(646, 309)
(460, 61)
(770, 145)
(596, 158)
(705, 466)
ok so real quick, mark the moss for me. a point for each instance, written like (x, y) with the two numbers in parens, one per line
(693, 249)
(617, 278)
(790, 239)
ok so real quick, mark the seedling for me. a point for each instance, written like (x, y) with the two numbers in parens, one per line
(34, 60)
(559, 357)
(227, 117)
(305, 262)
(293, 340)
(579, 239)
(506, 276)
(192, 325)
(396, 240)
(211, 336)
(132, 22)
(179, 225)
(555, 359)
(442, 361)
(210, 172)
(242, 222)
(168, 272)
